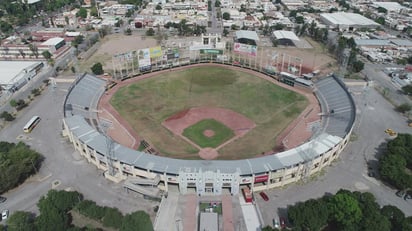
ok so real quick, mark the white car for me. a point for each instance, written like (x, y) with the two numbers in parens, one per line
(5, 214)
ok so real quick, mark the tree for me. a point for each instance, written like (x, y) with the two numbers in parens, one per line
(54, 209)
(382, 10)
(309, 215)
(394, 162)
(7, 116)
(47, 55)
(299, 20)
(150, 32)
(225, 32)
(380, 20)
(403, 108)
(112, 218)
(407, 89)
(33, 48)
(21, 221)
(345, 210)
(17, 163)
(137, 219)
(128, 31)
(93, 12)
(158, 7)
(97, 69)
(226, 16)
(217, 3)
(357, 66)
(82, 13)
(395, 216)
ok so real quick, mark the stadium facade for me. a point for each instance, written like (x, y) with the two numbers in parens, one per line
(207, 177)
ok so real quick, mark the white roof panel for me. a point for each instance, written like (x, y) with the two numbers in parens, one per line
(349, 19)
(52, 41)
(283, 34)
(10, 69)
(389, 6)
(247, 34)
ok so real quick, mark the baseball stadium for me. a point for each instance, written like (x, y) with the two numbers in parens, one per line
(207, 122)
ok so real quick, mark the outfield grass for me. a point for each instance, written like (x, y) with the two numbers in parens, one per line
(195, 133)
(148, 102)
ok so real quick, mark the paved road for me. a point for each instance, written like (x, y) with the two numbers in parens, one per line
(374, 115)
(382, 81)
(62, 165)
(216, 27)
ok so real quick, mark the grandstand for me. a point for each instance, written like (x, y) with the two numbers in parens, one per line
(337, 106)
(209, 176)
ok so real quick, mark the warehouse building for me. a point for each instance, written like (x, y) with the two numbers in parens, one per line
(15, 74)
(347, 21)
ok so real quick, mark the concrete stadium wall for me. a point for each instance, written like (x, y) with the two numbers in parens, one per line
(276, 177)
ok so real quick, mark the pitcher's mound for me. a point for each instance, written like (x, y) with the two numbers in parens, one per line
(208, 153)
(208, 133)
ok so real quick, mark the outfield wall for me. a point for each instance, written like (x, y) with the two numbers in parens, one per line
(210, 176)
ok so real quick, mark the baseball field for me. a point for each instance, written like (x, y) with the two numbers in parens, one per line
(147, 103)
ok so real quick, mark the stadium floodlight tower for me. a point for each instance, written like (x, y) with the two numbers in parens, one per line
(104, 126)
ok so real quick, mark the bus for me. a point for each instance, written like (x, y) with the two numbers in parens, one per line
(31, 124)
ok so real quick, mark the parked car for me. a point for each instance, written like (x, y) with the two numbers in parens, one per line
(2, 199)
(282, 222)
(400, 193)
(264, 196)
(276, 223)
(5, 214)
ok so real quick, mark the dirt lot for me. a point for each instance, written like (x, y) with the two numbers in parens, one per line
(115, 44)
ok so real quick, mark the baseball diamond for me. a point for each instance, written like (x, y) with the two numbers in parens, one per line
(254, 108)
(212, 176)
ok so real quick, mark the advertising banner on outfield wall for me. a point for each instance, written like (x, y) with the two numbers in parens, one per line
(155, 52)
(144, 58)
(245, 49)
(211, 51)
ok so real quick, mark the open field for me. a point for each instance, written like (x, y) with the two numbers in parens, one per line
(221, 133)
(146, 103)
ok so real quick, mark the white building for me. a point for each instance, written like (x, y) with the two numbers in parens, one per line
(15, 74)
(347, 21)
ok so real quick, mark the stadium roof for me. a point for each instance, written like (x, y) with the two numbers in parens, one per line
(348, 19)
(389, 6)
(283, 34)
(10, 69)
(252, 35)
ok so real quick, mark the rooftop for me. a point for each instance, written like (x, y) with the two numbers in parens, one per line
(52, 41)
(283, 34)
(350, 19)
(10, 69)
(389, 6)
(252, 35)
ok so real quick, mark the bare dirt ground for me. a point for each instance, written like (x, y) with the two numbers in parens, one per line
(116, 44)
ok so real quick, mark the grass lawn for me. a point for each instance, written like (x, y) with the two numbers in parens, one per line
(217, 208)
(221, 133)
(81, 221)
(146, 103)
